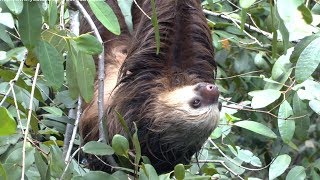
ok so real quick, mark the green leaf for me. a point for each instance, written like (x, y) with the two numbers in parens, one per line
(8, 124)
(4, 36)
(86, 72)
(95, 175)
(57, 38)
(315, 105)
(30, 22)
(179, 172)
(308, 61)
(150, 172)
(88, 44)
(105, 15)
(263, 98)
(41, 165)
(256, 127)
(298, 48)
(71, 73)
(306, 13)
(3, 174)
(51, 62)
(52, 14)
(125, 7)
(7, 20)
(283, 30)
(14, 6)
(303, 123)
(286, 126)
(120, 145)
(297, 173)
(279, 165)
(136, 145)
(97, 148)
(53, 110)
(155, 25)
(246, 3)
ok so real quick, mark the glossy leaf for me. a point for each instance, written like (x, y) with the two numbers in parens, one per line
(14, 6)
(315, 106)
(297, 173)
(286, 126)
(105, 15)
(263, 98)
(97, 148)
(179, 172)
(120, 145)
(246, 3)
(279, 165)
(30, 22)
(51, 62)
(256, 127)
(308, 61)
(8, 124)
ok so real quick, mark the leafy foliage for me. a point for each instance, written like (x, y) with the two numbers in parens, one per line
(268, 74)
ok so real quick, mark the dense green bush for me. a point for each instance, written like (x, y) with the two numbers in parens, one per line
(268, 53)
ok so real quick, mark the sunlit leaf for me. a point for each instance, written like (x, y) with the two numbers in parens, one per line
(246, 3)
(256, 127)
(279, 165)
(14, 6)
(8, 124)
(120, 145)
(297, 173)
(263, 98)
(179, 172)
(95, 175)
(308, 61)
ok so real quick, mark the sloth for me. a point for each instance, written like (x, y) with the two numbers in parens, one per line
(170, 96)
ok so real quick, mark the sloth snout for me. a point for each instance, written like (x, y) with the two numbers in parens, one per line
(208, 92)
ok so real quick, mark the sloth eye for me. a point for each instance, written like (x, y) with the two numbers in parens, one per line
(196, 103)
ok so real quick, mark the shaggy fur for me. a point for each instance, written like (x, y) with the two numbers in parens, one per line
(140, 84)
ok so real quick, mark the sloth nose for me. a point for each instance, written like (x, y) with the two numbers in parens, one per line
(208, 92)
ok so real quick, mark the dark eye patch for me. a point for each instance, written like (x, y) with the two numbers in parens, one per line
(196, 103)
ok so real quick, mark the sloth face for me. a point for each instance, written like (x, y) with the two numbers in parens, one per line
(194, 100)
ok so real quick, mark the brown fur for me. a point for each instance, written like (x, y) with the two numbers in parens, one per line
(167, 135)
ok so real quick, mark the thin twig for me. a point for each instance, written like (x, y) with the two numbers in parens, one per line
(238, 75)
(234, 162)
(74, 132)
(68, 163)
(101, 72)
(28, 122)
(16, 105)
(71, 129)
(248, 26)
(135, 2)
